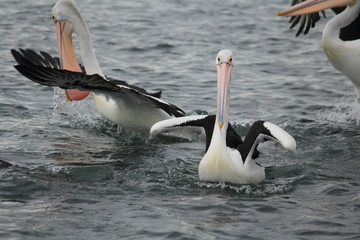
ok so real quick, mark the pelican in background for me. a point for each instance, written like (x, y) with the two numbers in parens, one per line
(307, 21)
(344, 55)
(121, 103)
(227, 157)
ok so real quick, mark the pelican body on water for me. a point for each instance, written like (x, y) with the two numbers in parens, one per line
(126, 105)
(340, 38)
(227, 157)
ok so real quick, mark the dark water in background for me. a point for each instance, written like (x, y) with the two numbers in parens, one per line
(77, 176)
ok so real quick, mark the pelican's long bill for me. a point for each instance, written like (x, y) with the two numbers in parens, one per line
(224, 68)
(68, 61)
(311, 6)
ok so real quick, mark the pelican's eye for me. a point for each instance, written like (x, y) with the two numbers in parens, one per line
(53, 18)
(230, 60)
(218, 59)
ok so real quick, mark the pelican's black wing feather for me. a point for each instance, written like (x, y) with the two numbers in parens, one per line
(66, 79)
(261, 131)
(123, 83)
(207, 122)
(75, 80)
(29, 57)
(45, 70)
(255, 130)
(306, 21)
(233, 140)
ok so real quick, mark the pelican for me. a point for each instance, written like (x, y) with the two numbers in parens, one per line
(227, 157)
(124, 104)
(307, 21)
(344, 55)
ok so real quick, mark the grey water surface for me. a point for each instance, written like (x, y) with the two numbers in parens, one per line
(78, 176)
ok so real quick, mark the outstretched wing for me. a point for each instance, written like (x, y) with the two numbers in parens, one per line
(206, 122)
(28, 57)
(261, 131)
(123, 83)
(95, 83)
(46, 73)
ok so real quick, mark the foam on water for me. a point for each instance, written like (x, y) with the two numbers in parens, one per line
(346, 111)
(84, 115)
(73, 113)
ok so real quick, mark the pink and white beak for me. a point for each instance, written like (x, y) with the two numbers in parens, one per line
(68, 61)
(311, 6)
(224, 77)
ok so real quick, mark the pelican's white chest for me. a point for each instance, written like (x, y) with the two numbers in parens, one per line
(216, 165)
(223, 164)
(343, 55)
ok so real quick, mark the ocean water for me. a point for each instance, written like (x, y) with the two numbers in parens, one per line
(78, 176)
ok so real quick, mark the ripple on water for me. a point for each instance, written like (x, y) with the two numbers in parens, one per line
(261, 190)
(11, 110)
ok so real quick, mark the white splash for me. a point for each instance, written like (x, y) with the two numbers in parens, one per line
(74, 113)
(345, 111)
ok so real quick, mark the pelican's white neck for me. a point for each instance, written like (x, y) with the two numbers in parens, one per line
(86, 50)
(333, 27)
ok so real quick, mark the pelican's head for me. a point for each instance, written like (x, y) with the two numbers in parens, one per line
(224, 64)
(67, 19)
(311, 6)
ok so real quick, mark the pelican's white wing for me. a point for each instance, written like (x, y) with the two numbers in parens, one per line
(281, 136)
(261, 131)
(184, 127)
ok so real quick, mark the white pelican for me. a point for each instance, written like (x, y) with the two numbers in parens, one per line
(227, 157)
(343, 54)
(121, 103)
